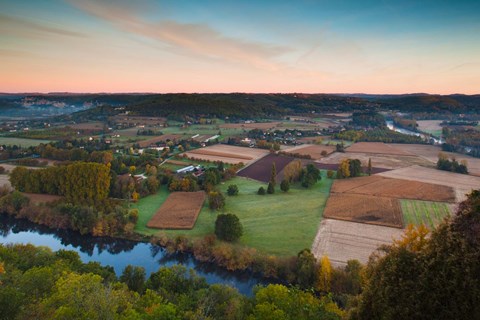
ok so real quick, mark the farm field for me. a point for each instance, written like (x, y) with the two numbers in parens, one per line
(395, 188)
(262, 169)
(378, 160)
(22, 141)
(280, 224)
(364, 209)
(314, 151)
(424, 212)
(227, 154)
(430, 153)
(179, 211)
(163, 137)
(37, 198)
(343, 240)
(461, 183)
(430, 126)
(377, 148)
(88, 126)
(250, 126)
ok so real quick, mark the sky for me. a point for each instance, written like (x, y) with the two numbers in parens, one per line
(262, 46)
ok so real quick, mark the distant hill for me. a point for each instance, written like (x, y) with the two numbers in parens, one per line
(244, 105)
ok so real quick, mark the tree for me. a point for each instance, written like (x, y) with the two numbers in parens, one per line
(134, 278)
(324, 277)
(330, 174)
(344, 169)
(228, 227)
(355, 167)
(152, 184)
(273, 175)
(306, 264)
(292, 171)
(285, 185)
(310, 176)
(232, 190)
(270, 188)
(369, 168)
(421, 277)
(216, 200)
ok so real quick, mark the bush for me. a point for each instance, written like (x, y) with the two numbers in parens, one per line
(216, 200)
(232, 190)
(2, 170)
(330, 174)
(228, 227)
(261, 191)
(285, 186)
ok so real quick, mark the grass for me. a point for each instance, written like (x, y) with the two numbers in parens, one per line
(429, 213)
(147, 207)
(24, 142)
(280, 224)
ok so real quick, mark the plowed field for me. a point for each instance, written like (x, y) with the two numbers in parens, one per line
(227, 154)
(262, 169)
(376, 147)
(394, 188)
(365, 209)
(314, 151)
(179, 211)
(164, 137)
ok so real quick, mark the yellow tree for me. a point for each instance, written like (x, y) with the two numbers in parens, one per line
(324, 276)
(414, 238)
(344, 169)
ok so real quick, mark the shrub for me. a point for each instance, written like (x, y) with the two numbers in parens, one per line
(285, 186)
(228, 227)
(216, 200)
(330, 174)
(261, 191)
(232, 190)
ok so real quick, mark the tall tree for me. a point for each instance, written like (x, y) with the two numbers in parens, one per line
(273, 176)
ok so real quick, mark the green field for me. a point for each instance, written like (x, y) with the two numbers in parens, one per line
(429, 213)
(23, 142)
(147, 207)
(280, 224)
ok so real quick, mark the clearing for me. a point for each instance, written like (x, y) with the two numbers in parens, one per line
(424, 212)
(23, 142)
(279, 224)
(227, 154)
(343, 240)
(364, 209)
(430, 126)
(179, 211)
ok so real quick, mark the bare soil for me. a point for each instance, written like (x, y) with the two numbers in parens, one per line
(378, 160)
(377, 148)
(364, 209)
(395, 188)
(261, 170)
(154, 140)
(227, 154)
(314, 151)
(179, 211)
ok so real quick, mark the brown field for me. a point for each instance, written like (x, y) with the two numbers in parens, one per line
(343, 240)
(4, 181)
(91, 126)
(394, 188)
(227, 154)
(462, 183)
(430, 153)
(37, 198)
(249, 126)
(177, 162)
(314, 151)
(262, 169)
(378, 160)
(138, 120)
(376, 147)
(364, 209)
(163, 137)
(179, 211)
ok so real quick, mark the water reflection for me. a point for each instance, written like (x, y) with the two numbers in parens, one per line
(119, 252)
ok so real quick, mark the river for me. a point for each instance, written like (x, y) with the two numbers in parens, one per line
(119, 253)
(392, 127)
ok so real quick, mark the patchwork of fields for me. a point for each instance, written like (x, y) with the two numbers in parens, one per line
(227, 154)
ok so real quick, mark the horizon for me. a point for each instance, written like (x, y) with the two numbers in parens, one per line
(273, 47)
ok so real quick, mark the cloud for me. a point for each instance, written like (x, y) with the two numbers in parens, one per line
(188, 38)
(32, 29)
